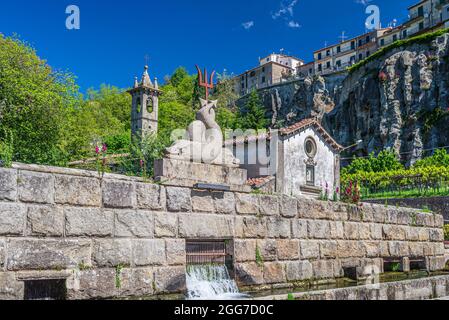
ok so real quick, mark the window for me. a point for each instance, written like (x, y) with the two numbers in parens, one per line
(319, 56)
(310, 175)
(328, 64)
(352, 59)
(421, 11)
(368, 54)
(150, 104)
(138, 105)
(310, 147)
(243, 78)
(252, 74)
(263, 69)
(421, 25)
(338, 49)
(339, 63)
(368, 39)
(382, 42)
(360, 56)
(360, 42)
(268, 59)
(263, 79)
(395, 38)
(243, 86)
(328, 53)
(352, 45)
(320, 67)
(404, 34)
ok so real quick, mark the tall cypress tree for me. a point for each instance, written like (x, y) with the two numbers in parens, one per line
(253, 115)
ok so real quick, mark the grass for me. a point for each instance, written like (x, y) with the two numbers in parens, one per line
(412, 193)
(424, 38)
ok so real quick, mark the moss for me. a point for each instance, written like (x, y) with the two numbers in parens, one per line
(431, 118)
(259, 259)
(290, 297)
(424, 38)
(118, 276)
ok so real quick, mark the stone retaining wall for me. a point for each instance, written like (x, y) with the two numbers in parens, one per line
(416, 289)
(119, 236)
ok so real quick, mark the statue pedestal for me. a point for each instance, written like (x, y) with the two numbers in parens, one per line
(187, 174)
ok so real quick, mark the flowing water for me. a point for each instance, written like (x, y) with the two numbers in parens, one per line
(211, 282)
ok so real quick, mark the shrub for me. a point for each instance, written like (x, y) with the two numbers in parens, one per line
(446, 232)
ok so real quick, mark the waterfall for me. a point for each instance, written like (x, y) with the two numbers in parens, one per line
(211, 282)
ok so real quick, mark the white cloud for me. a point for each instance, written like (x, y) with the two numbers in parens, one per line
(286, 9)
(363, 2)
(294, 24)
(248, 25)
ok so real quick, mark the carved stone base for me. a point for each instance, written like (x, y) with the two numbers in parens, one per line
(187, 174)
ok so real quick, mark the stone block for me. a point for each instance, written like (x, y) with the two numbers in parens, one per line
(299, 229)
(74, 190)
(278, 228)
(202, 201)
(398, 249)
(411, 234)
(436, 235)
(436, 263)
(423, 234)
(273, 272)
(225, 203)
(376, 231)
(94, 284)
(392, 216)
(364, 231)
(309, 249)
(287, 249)
(136, 282)
(289, 207)
(148, 252)
(298, 270)
(416, 249)
(351, 230)
(150, 196)
(318, 229)
(12, 219)
(132, 223)
(119, 194)
(205, 226)
(372, 248)
(176, 251)
(350, 249)
(249, 274)
(112, 252)
(439, 248)
(394, 232)
(325, 269)
(269, 205)
(2, 253)
(247, 204)
(267, 249)
(170, 279)
(45, 221)
(245, 250)
(88, 222)
(10, 288)
(179, 199)
(37, 254)
(328, 249)
(165, 225)
(8, 184)
(36, 187)
(379, 213)
(355, 213)
(251, 227)
(438, 221)
(336, 230)
(404, 218)
(429, 249)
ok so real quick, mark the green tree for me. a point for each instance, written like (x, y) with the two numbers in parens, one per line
(386, 160)
(36, 102)
(439, 158)
(252, 115)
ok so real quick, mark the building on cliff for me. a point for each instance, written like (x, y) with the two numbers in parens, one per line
(271, 70)
(302, 159)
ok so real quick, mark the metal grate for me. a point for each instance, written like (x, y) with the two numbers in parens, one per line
(206, 252)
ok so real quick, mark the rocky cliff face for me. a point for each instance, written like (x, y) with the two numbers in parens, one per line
(398, 101)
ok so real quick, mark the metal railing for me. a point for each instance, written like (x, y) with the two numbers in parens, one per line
(206, 252)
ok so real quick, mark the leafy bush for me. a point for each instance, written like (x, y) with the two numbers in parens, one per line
(384, 161)
(439, 159)
(446, 232)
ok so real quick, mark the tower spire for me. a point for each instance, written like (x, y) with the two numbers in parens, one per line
(146, 81)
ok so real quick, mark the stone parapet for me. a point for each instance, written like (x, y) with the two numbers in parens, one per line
(120, 236)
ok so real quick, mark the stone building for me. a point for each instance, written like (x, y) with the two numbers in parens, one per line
(303, 159)
(145, 106)
(271, 70)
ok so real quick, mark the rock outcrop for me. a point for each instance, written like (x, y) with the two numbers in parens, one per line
(398, 101)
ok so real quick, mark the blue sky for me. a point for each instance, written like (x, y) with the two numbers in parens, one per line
(116, 35)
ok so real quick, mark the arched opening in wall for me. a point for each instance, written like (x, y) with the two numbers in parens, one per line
(150, 105)
(52, 289)
(138, 105)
